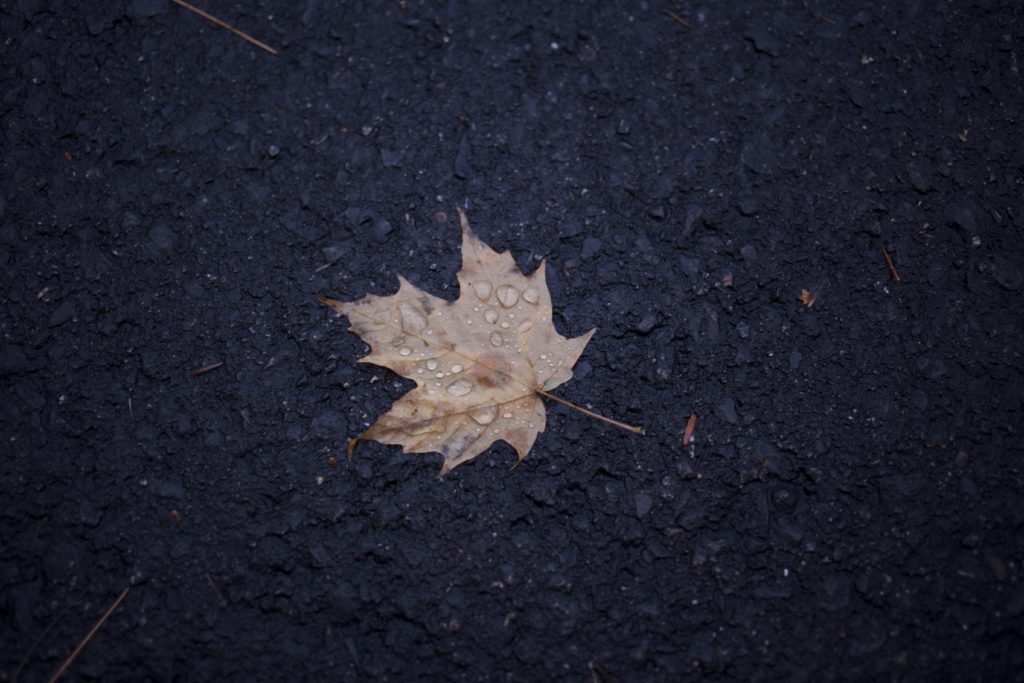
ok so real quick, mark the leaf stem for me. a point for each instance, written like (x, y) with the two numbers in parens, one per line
(591, 413)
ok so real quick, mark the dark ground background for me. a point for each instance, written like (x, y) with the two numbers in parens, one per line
(174, 197)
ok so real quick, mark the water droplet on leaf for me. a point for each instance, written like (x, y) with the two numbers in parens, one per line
(413, 321)
(460, 387)
(421, 427)
(482, 289)
(484, 414)
(508, 295)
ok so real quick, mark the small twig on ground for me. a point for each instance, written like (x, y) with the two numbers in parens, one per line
(220, 596)
(597, 674)
(28, 655)
(224, 24)
(85, 641)
(690, 425)
(892, 266)
(206, 369)
(807, 298)
(677, 18)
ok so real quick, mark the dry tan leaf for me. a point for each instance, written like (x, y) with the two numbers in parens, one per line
(480, 363)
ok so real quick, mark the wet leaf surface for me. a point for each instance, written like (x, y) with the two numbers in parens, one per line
(479, 362)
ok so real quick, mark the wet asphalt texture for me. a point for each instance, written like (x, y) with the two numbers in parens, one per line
(176, 402)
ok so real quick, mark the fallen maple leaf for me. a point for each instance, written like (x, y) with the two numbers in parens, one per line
(480, 363)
